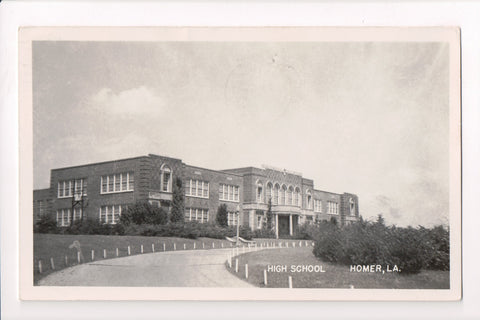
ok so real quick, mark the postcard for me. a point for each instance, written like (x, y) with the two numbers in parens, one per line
(240, 163)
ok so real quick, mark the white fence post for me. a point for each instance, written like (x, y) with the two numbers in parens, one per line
(164, 247)
(128, 250)
(174, 246)
(194, 245)
(153, 247)
(213, 245)
(52, 263)
(141, 248)
(93, 255)
(246, 271)
(184, 246)
(265, 277)
(40, 266)
(236, 265)
(290, 285)
(116, 252)
(78, 256)
(66, 261)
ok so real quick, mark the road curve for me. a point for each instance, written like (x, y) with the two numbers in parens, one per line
(189, 268)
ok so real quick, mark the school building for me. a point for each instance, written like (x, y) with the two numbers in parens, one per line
(103, 190)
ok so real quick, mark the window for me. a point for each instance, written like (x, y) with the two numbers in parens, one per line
(119, 182)
(77, 214)
(232, 218)
(154, 203)
(276, 193)
(332, 207)
(290, 196)
(259, 221)
(110, 214)
(63, 217)
(229, 192)
(298, 197)
(309, 219)
(259, 192)
(309, 200)
(196, 214)
(166, 179)
(67, 188)
(39, 208)
(317, 205)
(197, 188)
(283, 193)
(269, 191)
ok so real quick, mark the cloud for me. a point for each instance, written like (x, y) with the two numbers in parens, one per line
(131, 102)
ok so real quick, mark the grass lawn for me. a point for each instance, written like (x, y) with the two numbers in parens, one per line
(335, 276)
(56, 247)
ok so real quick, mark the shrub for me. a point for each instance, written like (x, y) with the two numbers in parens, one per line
(367, 243)
(328, 242)
(437, 248)
(143, 212)
(222, 215)
(46, 224)
(264, 233)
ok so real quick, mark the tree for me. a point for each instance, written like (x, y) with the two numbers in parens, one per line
(269, 222)
(380, 220)
(177, 215)
(222, 215)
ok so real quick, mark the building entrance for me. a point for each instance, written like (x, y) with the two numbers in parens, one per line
(283, 226)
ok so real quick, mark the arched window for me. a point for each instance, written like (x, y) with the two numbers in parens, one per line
(290, 196)
(283, 195)
(165, 179)
(352, 207)
(259, 191)
(309, 199)
(297, 197)
(276, 193)
(269, 191)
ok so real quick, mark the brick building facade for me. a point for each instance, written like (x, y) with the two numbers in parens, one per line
(103, 190)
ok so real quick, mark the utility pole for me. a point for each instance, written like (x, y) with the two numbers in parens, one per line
(78, 200)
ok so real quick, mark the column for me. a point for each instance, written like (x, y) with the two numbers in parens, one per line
(276, 225)
(252, 220)
(291, 224)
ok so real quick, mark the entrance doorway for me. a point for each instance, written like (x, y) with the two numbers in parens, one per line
(283, 226)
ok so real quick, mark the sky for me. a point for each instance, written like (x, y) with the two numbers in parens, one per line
(369, 118)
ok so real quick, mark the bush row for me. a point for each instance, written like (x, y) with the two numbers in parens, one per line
(367, 243)
(190, 230)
